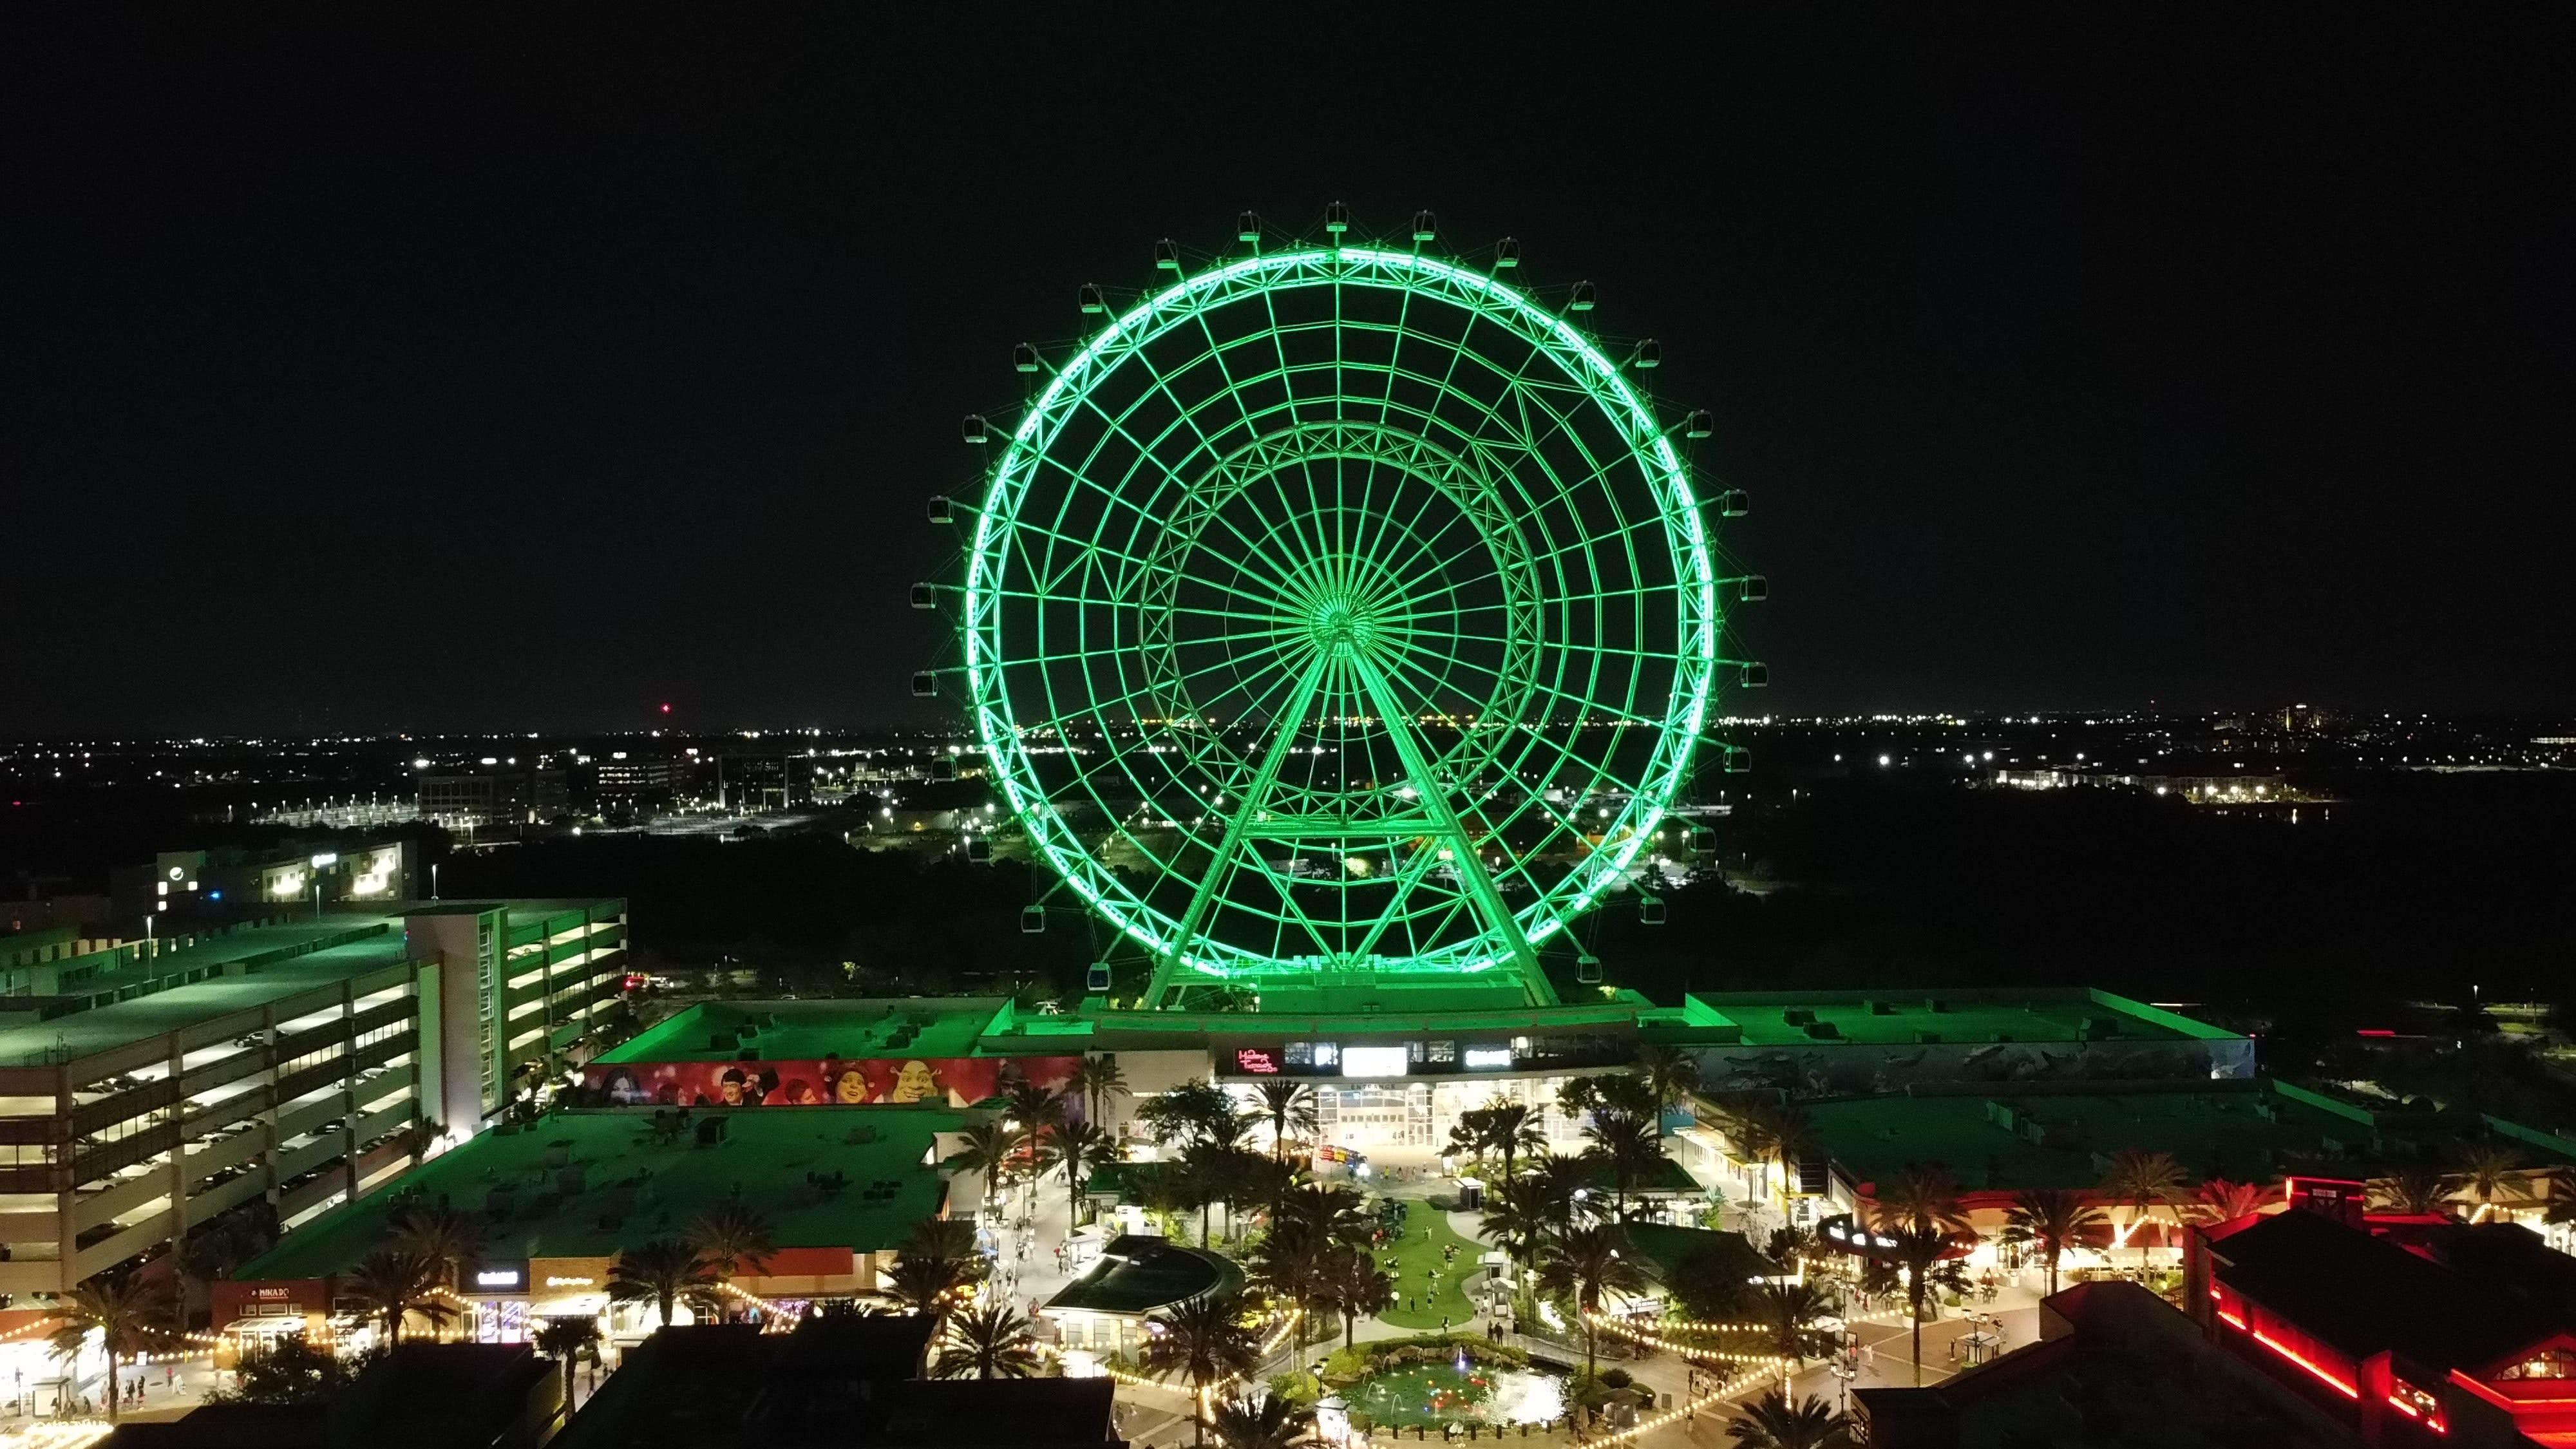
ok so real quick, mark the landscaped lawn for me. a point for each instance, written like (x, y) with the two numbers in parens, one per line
(1426, 1231)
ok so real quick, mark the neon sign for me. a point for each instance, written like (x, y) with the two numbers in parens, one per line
(1256, 1061)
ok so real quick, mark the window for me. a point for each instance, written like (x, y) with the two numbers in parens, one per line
(2555, 1363)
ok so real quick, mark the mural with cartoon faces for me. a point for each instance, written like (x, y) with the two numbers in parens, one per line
(949, 1081)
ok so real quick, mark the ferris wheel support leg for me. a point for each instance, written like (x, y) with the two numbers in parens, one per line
(1167, 971)
(1435, 803)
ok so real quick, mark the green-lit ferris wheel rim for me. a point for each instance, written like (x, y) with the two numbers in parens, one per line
(1337, 621)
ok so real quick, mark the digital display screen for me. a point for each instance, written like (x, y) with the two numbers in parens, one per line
(1488, 1058)
(1376, 1061)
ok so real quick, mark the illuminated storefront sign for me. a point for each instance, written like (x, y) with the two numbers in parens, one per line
(1256, 1061)
(1376, 1061)
(1488, 1058)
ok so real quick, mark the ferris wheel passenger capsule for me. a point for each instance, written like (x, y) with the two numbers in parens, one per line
(1033, 921)
(925, 596)
(1700, 424)
(1337, 218)
(1752, 589)
(1097, 978)
(1649, 353)
(940, 509)
(1426, 227)
(1587, 969)
(1167, 255)
(1507, 254)
(1753, 676)
(1702, 839)
(975, 429)
(979, 850)
(1734, 503)
(943, 767)
(1738, 762)
(1650, 911)
(1024, 357)
(1094, 301)
(1247, 226)
(1583, 298)
(925, 685)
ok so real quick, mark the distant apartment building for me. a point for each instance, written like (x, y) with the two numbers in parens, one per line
(632, 782)
(182, 886)
(147, 1089)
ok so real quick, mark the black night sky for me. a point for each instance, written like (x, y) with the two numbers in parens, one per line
(437, 367)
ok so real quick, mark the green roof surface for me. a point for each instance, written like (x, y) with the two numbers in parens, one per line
(1887, 1019)
(2221, 1133)
(82, 1033)
(787, 1031)
(652, 1188)
(1136, 1273)
(1665, 1247)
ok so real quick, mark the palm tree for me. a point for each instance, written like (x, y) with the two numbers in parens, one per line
(1922, 1195)
(1923, 1253)
(1037, 1111)
(1582, 1266)
(1517, 1220)
(1335, 1213)
(1627, 1145)
(1290, 1106)
(2416, 1191)
(1289, 1265)
(130, 1313)
(1774, 1422)
(936, 1259)
(1771, 1131)
(1081, 1146)
(1356, 1287)
(2143, 1181)
(393, 1283)
(986, 1149)
(442, 1234)
(1205, 1342)
(734, 1239)
(2056, 1218)
(1789, 1313)
(940, 1238)
(1261, 1421)
(567, 1339)
(660, 1272)
(2489, 1172)
(1671, 1075)
(987, 1343)
(2222, 1201)
(1096, 1080)
(1501, 1126)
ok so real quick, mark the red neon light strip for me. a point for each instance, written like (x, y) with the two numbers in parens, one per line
(2349, 1391)
(2410, 1411)
(2232, 1318)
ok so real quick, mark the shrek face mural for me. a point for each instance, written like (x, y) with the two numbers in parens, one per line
(914, 1084)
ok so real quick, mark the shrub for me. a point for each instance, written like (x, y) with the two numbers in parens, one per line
(1295, 1388)
(1617, 1378)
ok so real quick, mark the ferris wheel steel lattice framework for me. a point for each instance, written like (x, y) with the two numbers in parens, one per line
(1342, 613)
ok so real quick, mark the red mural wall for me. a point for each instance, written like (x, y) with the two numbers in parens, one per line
(831, 1082)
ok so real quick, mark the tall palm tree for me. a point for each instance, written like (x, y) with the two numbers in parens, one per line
(1356, 1287)
(1290, 1108)
(1628, 1146)
(987, 1149)
(660, 1272)
(1582, 1267)
(1259, 1421)
(2490, 1172)
(1671, 1075)
(393, 1283)
(1289, 1264)
(1510, 1129)
(1517, 1221)
(2416, 1191)
(130, 1313)
(445, 1235)
(1038, 1111)
(1334, 1212)
(1922, 1195)
(566, 1340)
(1205, 1342)
(940, 1238)
(1081, 1146)
(734, 1239)
(1924, 1254)
(1773, 1133)
(987, 1343)
(1790, 1314)
(1773, 1421)
(1097, 1079)
(2056, 1218)
(2143, 1181)
(926, 1286)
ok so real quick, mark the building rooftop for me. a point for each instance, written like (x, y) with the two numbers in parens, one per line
(1881, 1018)
(2361, 1294)
(716, 1031)
(2000, 1140)
(1666, 1247)
(1138, 1274)
(634, 1185)
(253, 965)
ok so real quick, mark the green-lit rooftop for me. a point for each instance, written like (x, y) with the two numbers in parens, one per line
(585, 1183)
(810, 1030)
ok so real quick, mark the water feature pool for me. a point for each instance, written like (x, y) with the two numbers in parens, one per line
(1457, 1392)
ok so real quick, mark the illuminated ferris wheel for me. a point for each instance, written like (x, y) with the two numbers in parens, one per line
(1342, 612)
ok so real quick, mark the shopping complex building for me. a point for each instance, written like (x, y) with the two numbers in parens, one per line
(148, 1088)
